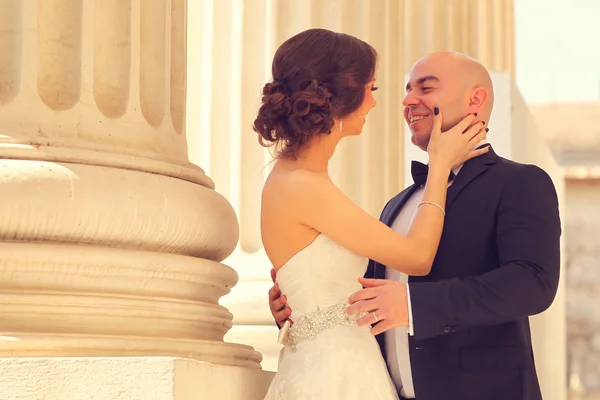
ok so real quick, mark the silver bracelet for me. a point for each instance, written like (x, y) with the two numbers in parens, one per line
(433, 204)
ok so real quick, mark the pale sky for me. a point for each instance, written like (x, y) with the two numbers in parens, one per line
(558, 50)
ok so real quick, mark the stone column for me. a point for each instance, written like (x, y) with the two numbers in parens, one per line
(110, 238)
(527, 145)
(481, 29)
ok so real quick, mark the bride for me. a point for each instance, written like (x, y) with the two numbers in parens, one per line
(316, 238)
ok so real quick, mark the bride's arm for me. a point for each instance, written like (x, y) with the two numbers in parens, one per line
(324, 207)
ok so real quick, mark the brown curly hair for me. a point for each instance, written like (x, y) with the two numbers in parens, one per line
(318, 75)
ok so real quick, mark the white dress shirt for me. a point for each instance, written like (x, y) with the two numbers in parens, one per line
(396, 339)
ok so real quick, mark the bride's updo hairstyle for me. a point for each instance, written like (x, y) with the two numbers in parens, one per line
(318, 75)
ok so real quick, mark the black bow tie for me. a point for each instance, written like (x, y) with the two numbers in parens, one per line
(419, 173)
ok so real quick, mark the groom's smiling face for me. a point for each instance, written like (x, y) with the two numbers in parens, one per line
(433, 82)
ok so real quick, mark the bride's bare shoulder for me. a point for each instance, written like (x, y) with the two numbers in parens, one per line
(293, 182)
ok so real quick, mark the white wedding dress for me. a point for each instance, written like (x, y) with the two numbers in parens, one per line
(326, 355)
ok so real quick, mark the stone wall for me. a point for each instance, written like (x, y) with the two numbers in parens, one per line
(582, 225)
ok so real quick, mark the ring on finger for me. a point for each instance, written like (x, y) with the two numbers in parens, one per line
(375, 316)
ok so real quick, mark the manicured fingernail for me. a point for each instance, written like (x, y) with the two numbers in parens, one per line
(487, 129)
(475, 114)
(483, 122)
(436, 111)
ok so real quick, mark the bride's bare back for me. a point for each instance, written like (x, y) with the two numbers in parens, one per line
(283, 233)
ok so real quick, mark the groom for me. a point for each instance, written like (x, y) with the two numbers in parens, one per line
(462, 332)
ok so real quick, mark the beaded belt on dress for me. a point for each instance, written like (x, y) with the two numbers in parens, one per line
(309, 325)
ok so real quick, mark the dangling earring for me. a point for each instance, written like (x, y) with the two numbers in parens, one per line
(341, 122)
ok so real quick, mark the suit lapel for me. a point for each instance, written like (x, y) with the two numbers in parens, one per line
(388, 216)
(391, 211)
(470, 170)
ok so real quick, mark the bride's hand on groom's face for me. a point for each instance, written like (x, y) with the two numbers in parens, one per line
(385, 302)
(277, 303)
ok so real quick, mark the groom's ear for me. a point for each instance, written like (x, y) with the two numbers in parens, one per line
(478, 99)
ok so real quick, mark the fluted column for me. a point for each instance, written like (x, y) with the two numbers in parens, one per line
(110, 238)
(483, 29)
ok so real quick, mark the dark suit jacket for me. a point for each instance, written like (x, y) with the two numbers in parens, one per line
(497, 264)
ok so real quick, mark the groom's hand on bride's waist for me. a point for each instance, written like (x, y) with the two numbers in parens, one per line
(384, 300)
(277, 303)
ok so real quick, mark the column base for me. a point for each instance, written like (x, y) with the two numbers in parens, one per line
(72, 345)
(128, 378)
(262, 338)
